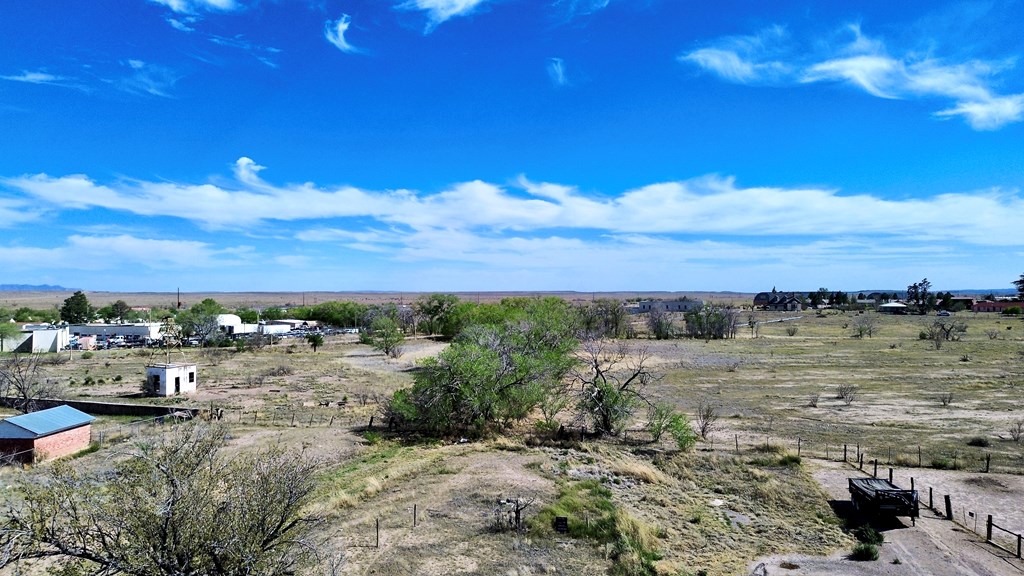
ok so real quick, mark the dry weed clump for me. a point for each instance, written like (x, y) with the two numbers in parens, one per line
(722, 510)
(639, 470)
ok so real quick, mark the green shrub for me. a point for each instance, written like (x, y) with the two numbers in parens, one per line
(979, 441)
(87, 355)
(1012, 311)
(864, 551)
(868, 535)
(943, 463)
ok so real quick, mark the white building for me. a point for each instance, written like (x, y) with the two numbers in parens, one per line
(171, 379)
(39, 338)
(668, 305)
(144, 329)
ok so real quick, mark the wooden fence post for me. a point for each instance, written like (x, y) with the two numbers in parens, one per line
(1018, 545)
(413, 515)
(890, 476)
(988, 462)
(844, 452)
(378, 532)
(737, 437)
(949, 507)
(988, 529)
(875, 473)
(799, 442)
(931, 503)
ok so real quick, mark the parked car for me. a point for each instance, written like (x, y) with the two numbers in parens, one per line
(944, 313)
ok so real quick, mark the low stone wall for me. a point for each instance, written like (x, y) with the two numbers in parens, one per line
(112, 408)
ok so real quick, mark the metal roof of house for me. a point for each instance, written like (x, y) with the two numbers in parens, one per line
(50, 421)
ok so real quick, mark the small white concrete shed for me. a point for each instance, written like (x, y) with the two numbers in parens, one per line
(171, 379)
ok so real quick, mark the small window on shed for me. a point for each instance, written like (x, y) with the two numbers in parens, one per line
(191, 376)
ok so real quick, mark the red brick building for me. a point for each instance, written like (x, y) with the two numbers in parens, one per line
(997, 306)
(45, 434)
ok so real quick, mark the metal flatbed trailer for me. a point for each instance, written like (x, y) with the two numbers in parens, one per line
(877, 496)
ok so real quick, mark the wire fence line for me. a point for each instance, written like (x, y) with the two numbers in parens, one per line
(902, 456)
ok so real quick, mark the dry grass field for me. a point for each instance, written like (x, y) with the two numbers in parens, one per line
(716, 510)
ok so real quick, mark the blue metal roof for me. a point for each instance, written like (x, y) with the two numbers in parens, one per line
(50, 421)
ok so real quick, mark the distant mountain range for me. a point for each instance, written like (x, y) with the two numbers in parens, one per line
(32, 288)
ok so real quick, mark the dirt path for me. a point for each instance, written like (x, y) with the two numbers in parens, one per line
(934, 547)
(455, 495)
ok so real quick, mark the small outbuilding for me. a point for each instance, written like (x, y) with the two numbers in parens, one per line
(171, 379)
(46, 434)
(893, 308)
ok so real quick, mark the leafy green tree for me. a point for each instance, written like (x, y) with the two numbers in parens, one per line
(818, 297)
(176, 506)
(272, 314)
(315, 340)
(659, 324)
(493, 375)
(442, 314)
(385, 335)
(711, 322)
(76, 309)
(605, 318)
(247, 315)
(918, 294)
(200, 321)
(8, 331)
(1019, 285)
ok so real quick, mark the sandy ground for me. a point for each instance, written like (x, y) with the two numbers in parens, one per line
(934, 547)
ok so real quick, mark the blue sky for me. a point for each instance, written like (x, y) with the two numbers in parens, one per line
(469, 145)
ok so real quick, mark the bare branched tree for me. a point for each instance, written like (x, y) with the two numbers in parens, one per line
(175, 506)
(847, 393)
(865, 325)
(611, 382)
(23, 383)
(706, 418)
(1017, 431)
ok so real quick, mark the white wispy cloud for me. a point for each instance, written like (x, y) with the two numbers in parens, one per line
(81, 252)
(334, 32)
(750, 59)
(689, 207)
(262, 53)
(194, 6)
(147, 78)
(440, 11)
(35, 78)
(573, 8)
(14, 212)
(45, 78)
(183, 24)
(556, 71)
(866, 63)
